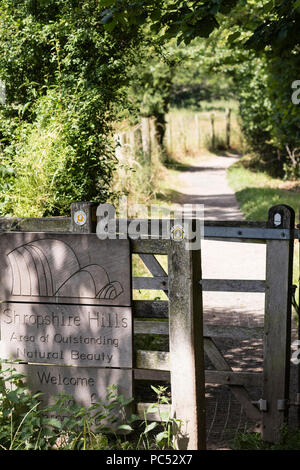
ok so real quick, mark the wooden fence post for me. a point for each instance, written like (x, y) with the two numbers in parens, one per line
(146, 137)
(186, 344)
(83, 217)
(277, 328)
(170, 136)
(213, 135)
(228, 113)
(198, 131)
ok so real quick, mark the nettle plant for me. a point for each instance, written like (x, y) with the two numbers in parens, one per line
(25, 424)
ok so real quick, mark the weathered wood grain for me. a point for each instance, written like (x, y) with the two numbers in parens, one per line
(186, 344)
(213, 331)
(64, 268)
(150, 283)
(152, 412)
(277, 336)
(67, 334)
(85, 385)
(35, 224)
(150, 308)
(233, 285)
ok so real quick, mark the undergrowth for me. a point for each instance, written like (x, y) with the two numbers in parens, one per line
(28, 424)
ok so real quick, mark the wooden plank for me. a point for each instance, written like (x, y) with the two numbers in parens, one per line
(64, 268)
(239, 391)
(155, 283)
(215, 355)
(186, 344)
(233, 285)
(150, 309)
(63, 224)
(159, 309)
(153, 265)
(234, 332)
(221, 285)
(77, 335)
(248, 232)
(150, 246)
(159, 363)
(151, 327)
(247, 379)
(243, 396)
(35, 224)
(213, 331)
(86, 385)
(277, 337)
(153, 375)
(156, 360)
(156, 412)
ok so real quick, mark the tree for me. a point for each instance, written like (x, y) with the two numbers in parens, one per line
(64, 75)
(183, 19)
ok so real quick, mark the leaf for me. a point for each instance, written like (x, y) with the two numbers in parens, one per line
(150, 427)
(125, 427)
(152, 408)
(107, 18)
(55, 423)
(233, 36)
(296, 4)
(156, 390)
(162, 435)
(165, 415)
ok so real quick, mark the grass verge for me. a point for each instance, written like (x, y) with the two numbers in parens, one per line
(289, 440)
(256, 192)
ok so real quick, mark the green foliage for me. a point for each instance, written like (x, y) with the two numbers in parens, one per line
(167, 426)
(256, 191)
(168, 19)
(280, 29)
(64, 76)
(255, 110)
(270, 120)
(289, 440)
(263, 86)
(150, 87)
(25, 424)
(64, 155)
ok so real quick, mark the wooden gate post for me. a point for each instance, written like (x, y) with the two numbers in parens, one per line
(83, 217)
(186, 344)
(277, 328)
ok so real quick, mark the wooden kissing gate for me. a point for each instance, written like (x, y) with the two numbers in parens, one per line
(181, 318)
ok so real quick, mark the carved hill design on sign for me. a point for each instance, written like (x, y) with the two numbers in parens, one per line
(36, 272)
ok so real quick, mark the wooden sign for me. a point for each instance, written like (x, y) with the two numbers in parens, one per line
(64, 268)
(65, 300)
(67, 334)
(86, 385)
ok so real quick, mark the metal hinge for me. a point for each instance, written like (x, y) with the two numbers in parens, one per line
(262, 404)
